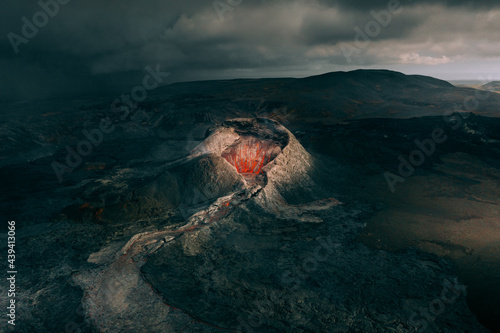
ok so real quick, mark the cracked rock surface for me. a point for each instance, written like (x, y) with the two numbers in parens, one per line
(170, 229)
(273, 255)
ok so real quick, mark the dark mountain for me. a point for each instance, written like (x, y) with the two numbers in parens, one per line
(492, 86)
(337, 96)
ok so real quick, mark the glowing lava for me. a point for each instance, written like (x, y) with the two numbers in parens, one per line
(250, 155)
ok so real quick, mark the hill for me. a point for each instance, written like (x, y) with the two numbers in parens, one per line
(332, 97)
(492, 86)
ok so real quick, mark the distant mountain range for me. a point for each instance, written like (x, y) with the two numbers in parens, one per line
(493, 86)
(333, 97)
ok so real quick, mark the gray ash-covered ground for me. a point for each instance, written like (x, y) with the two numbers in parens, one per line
(167, 227)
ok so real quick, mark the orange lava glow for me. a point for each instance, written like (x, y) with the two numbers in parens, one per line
(249, 157)
(84, 206)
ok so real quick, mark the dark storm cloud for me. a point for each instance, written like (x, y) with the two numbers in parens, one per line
(322, 29)
(362, 5)
(88, 41)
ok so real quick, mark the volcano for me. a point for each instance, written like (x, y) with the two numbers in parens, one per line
(255, 202)
(248, 144)
(212, 217)
(260, 142)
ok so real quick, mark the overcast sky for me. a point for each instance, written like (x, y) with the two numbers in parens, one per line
(98, 44)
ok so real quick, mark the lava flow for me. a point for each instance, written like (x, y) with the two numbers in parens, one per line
(250, 155)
